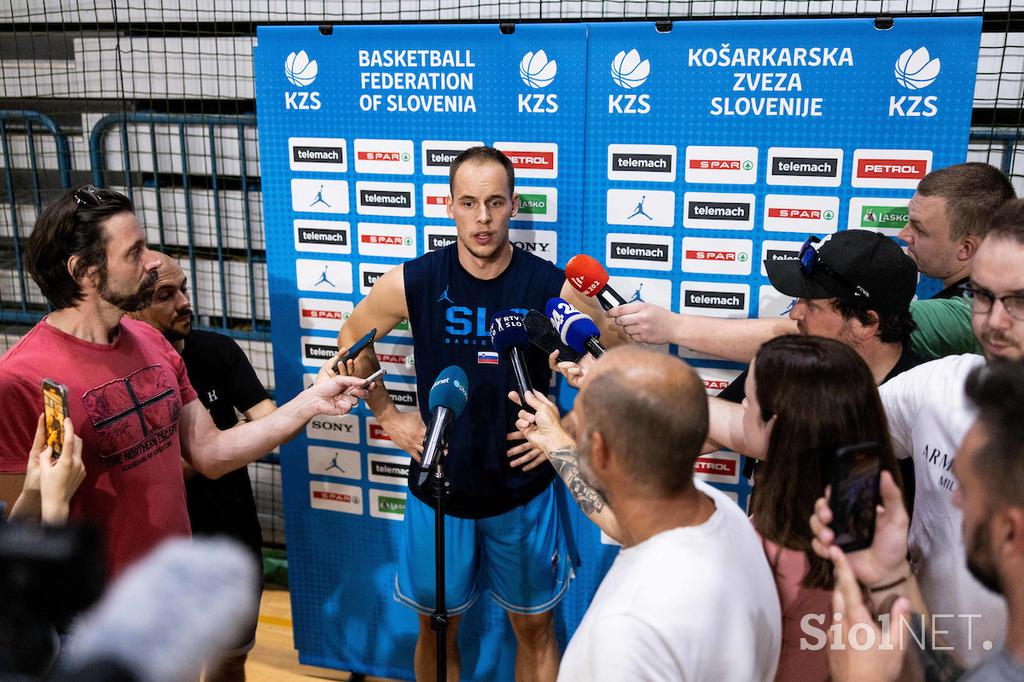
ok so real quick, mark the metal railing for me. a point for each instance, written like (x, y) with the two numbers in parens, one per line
(159, 178)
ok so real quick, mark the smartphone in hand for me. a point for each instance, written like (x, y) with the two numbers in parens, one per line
(855, 495)
(356, 348)
(55, 409)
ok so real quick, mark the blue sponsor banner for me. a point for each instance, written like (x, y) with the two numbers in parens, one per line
(681, 160)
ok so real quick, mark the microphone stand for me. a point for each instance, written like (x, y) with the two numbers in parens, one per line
(439, 617)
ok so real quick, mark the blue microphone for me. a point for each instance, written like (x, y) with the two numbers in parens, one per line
(447, 400)
(509, 337)
(576, 329)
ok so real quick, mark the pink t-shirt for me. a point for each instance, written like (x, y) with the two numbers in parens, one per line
(125, 401)
(797, 601)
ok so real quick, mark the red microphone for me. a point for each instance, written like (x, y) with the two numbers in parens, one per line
(590, 278)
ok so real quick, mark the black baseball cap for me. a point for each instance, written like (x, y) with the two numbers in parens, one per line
(856, 266)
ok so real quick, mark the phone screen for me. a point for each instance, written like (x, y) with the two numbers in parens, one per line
(855, 495)
(55, 409)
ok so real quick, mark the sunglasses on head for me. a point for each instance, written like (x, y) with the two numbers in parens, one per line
(810, 262)
(89, 196)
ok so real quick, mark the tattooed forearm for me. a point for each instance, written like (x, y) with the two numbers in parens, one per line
(565, 463)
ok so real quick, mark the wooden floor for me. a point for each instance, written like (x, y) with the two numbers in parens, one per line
(274, 658)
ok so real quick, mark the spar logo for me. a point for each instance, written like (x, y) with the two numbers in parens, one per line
(722, 165)
(336, 497)
(715, 386)
(715, 379)
(704, 210)
(435, 200)
(377, 239)
(390, 157)
(397, 358)
(890, 168)
(385, 198)
(537, 204)
(301, 71)
(537, 72)
(320, 313)
(531, 159)
(915, 70)
(800, 213)
(805, 167)
(439, 154)
(629, 72)
(645, 162)
(717, 256)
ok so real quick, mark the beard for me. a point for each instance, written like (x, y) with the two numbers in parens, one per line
(979, 559)
(180, 328)
(130, 302)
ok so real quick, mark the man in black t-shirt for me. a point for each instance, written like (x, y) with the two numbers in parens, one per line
(225, 381)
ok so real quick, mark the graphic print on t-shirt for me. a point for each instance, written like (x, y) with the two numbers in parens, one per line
(134, 416)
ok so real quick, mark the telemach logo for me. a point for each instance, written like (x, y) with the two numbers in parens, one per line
(328, 156)
(441, 158)
(386, 199)
(438, 154)
(634, 251)
(389, 470)
(648, 163)
(729, 300)
(439, 241)
(637, 162)
(323, 236)
(719, 210)
(776, 255)
(370, 277)
(315, 351)
(804, 167)
(404, 398)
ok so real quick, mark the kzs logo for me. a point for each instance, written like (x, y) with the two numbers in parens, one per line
(915, 70)
(301, 71)
(628, 72)
(537, 72)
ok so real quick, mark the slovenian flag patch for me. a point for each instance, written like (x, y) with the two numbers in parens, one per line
(485, 357)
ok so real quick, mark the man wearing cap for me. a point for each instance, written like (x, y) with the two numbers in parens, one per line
(853, 286)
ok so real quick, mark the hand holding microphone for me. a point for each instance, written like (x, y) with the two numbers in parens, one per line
(448, 397)
(590, 278)
(576, 329)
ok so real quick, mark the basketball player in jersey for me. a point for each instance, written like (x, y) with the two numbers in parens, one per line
(502, 518)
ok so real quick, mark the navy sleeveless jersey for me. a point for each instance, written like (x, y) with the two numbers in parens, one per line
(450, 313)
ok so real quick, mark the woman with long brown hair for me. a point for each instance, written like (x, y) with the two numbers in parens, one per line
(806, 397)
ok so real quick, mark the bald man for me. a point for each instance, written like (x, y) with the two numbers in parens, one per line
(225, 381)
(692, 573)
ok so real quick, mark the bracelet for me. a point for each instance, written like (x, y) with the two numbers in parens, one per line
(889, 586)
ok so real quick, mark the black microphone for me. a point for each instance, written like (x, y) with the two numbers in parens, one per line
(577, 330)
(508, 335)
(448, 398)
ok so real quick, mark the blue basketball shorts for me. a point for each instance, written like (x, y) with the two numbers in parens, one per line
(522, 556)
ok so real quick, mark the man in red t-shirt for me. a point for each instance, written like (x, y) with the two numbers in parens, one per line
(128, 394)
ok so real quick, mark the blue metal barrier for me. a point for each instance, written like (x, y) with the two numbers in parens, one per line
(29, 123)
(259, 330)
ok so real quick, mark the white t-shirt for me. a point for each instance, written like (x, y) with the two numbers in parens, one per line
(929, 415)
(693, 603)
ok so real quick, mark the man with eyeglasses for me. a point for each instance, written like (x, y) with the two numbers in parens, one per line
(929, 415)
(128, 393)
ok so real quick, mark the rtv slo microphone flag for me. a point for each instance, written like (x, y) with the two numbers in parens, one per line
(679, 160)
